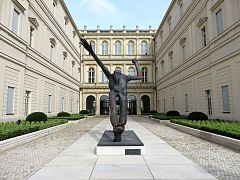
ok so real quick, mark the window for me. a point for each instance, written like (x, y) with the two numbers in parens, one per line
(181, 9)
(144, 74)
(63, 104)
(186, 103)
(173, 103)
(91, 75)
(209, 101)
(219, 21)
(49, 103)
(225, 97)
(54, 7)
(92, 43)
(27, 103)
(184, 52)
(118, 50)
(65, 54)
(162, 64)
(144, 48)
(169, 27)
(170, 54)
(204, 36)
(131, 71)
(15, 21)
(31, 33)
(105, 48)
(130, 48)
(104, 78)
(51, 51)
(164, 105)
(10, 101)
(71, 105)
(118, 68)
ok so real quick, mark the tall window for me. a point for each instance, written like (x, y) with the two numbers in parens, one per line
(63, 104)
(10, 101)
(49, 103)
(92, 43)
(144, 74)
(54, 7)
(15, 21)
(144, 48)
(169, 27)
(104, 78)
(118, 68)
(31, 33)
(71, 105)
(130, 48)
(164, 105)
(204, 36)
(184, 52)
(131, 71)
(118, 49)
(186, 103)
(225, 97)
(209, 101)
(27, 102)
(181, 9)
(104, 48)
(162, 65)
(91, 75)
(219, 19)
(173, 103)
(51, 51)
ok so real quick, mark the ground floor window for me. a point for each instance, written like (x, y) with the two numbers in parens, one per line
(145, 104)
(90, 104)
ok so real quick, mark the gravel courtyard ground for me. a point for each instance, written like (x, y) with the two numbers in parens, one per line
(220, 161)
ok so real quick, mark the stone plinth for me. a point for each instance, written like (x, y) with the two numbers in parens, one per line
(130, 144)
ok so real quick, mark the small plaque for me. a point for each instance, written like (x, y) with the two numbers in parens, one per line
(132, 151)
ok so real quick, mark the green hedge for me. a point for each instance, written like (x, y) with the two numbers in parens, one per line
(11, 129)
(72, 117)
(221, 127)
(163, 116)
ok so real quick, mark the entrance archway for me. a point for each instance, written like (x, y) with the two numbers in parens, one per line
(131, 105)
(104, 105)
(145, 104)
(90, 104)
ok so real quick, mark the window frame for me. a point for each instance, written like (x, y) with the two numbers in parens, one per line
(10, 101)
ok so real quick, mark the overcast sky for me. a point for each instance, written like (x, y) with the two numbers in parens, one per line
(117, 13)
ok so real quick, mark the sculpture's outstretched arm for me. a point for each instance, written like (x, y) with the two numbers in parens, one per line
(139, 76)
(88, 47)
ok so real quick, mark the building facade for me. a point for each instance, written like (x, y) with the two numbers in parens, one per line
(197, 48)
(40, 59)
(116, 49)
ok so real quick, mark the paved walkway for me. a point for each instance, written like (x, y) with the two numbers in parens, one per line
(24, 161)
(161, 161)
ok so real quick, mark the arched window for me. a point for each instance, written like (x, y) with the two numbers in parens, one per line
(144, 74)
(118, 48)
(130, 48)
(91, 75)
(92, 43)
(90, 104)
(144, 48)
(104, 48)
(131, 71)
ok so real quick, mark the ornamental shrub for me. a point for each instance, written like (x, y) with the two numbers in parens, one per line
(197, 116)
(83, 112)
(63, 114)
(153, 111)
(37, 116)
(172, 113)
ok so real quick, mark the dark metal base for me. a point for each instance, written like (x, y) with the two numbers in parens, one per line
(129, 138)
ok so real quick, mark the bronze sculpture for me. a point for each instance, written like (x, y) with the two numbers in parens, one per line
(118, 87)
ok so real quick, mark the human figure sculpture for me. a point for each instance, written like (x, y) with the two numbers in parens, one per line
(118, 87)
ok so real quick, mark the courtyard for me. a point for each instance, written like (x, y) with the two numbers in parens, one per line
(70, 154)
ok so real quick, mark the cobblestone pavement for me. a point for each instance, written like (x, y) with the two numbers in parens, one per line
(220, 161)
(21, 162)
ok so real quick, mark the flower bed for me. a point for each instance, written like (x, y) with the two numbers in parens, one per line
(11, 129)
(221, 127)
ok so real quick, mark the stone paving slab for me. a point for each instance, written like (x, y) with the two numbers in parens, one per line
(160, 162)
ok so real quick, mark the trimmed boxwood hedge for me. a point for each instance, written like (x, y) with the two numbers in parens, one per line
(197, 116)
(36, 116)
(83, 112)
(11, 129)
(221, 127)
(172, 113)
(163, 116)
(63, 114)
